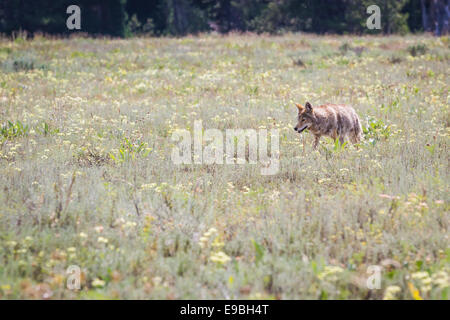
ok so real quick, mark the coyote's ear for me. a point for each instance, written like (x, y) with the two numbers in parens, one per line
(308, 107)
(300, 107)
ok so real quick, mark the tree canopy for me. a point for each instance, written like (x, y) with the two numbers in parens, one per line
(181, 17)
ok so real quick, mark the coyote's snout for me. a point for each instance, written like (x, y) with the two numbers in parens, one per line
(333, 120)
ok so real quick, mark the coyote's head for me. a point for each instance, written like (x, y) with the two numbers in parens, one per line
(305, 118)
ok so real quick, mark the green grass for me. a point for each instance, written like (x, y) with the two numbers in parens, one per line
(86, 176)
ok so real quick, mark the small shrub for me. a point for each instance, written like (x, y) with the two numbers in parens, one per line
(395, 59)
(24, 62)
(148, 27)
(344, 48)
(417, 50)
(135, 27)
(91, 157)
(130, 150)
(5, 50)
(359, 51)
(44, 129)
(11, 130)
(299, 63)
(376, 130)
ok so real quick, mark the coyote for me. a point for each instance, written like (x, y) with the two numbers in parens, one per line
(333, 120)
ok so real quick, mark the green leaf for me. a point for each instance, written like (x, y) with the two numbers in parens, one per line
(259, 251)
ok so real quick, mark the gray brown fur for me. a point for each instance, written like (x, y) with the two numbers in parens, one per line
(333, 120)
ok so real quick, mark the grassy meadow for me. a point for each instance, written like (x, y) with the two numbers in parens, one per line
(86, 176)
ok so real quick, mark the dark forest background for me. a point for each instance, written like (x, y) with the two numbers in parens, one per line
(180, 17)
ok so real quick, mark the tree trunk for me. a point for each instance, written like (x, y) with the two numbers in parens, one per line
(446, 26)
(424, 15)
(442, 16)
(179, 16)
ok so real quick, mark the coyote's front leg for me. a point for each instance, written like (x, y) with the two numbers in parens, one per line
(316, 141)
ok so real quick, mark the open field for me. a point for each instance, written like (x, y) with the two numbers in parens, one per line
(86, 175)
